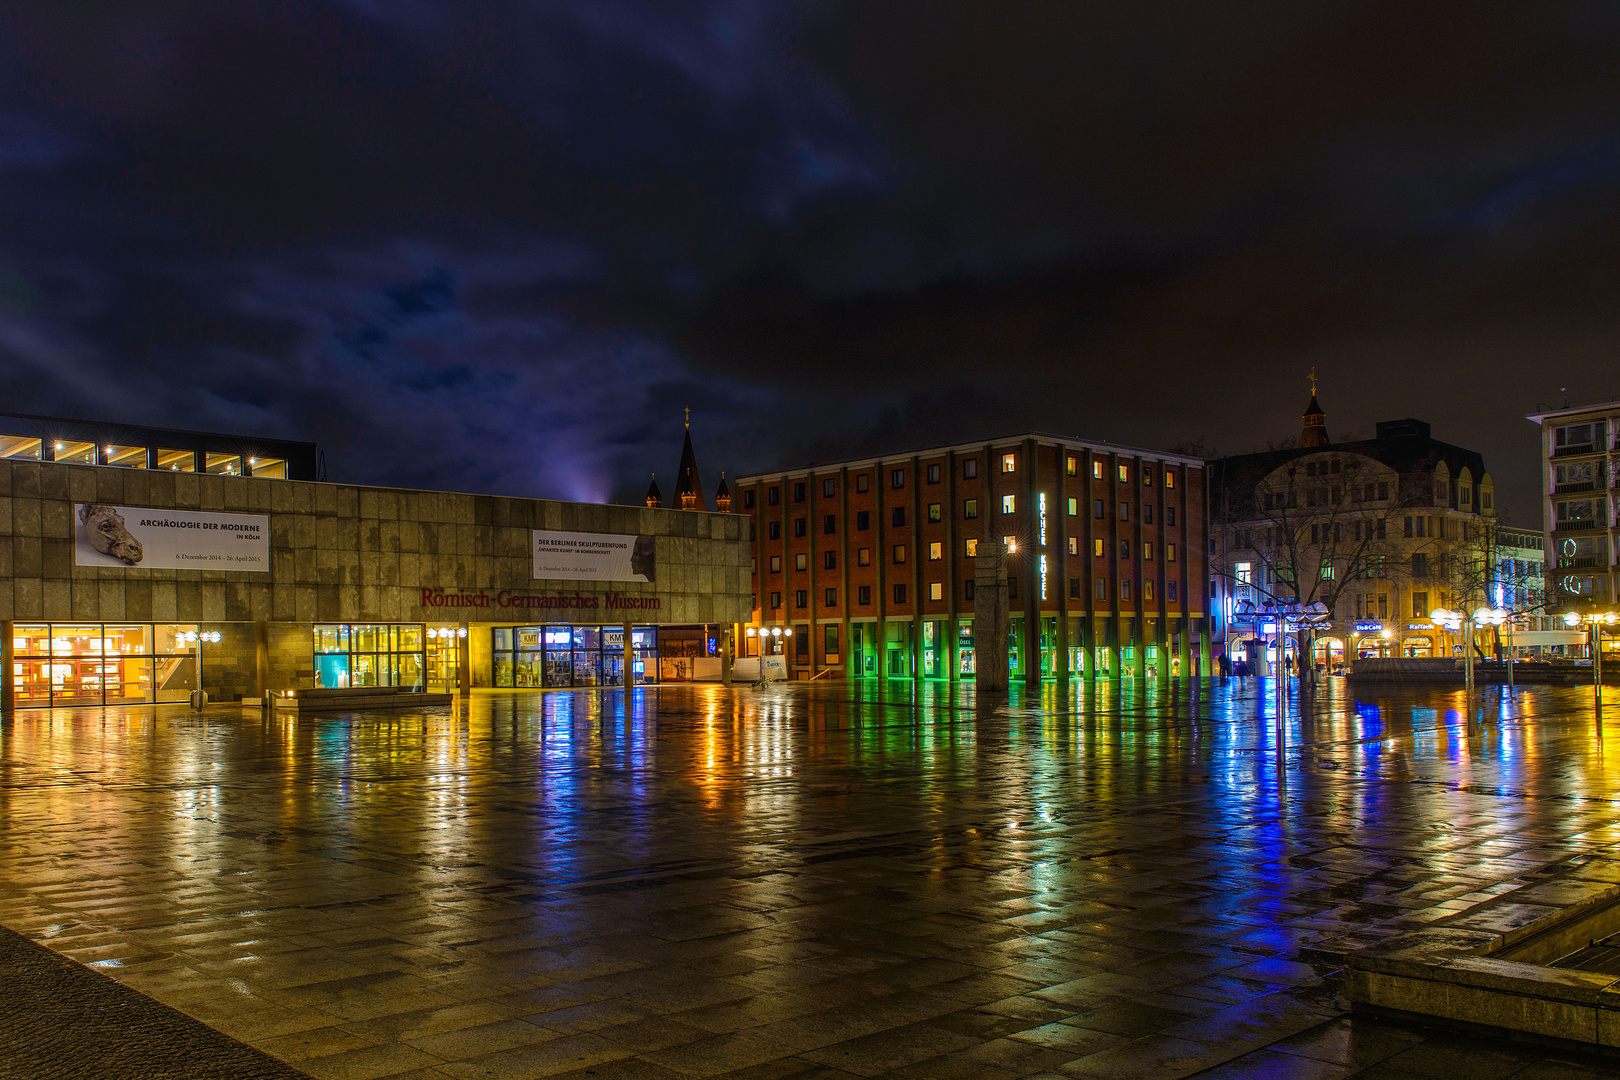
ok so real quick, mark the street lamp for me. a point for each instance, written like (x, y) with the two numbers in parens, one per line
(1495, 617)
(199, 696)
(1455, 621)
(1595, 621)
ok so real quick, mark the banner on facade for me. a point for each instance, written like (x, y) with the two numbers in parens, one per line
(567, 556)
(130, 536)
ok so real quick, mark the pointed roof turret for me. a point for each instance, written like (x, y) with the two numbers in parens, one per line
(688, 488)
(722, 496)
(1315, 432)
(655, 498)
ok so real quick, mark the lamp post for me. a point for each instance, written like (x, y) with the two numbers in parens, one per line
(1456, 621)
(199, 696)
(1495, 616)
(1595, 621)
(765, 636)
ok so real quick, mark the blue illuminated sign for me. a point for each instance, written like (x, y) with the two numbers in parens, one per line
(1369, 627)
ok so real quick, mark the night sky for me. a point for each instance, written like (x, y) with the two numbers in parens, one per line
(497, 246)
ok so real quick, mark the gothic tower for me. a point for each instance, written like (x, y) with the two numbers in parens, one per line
(655, 498)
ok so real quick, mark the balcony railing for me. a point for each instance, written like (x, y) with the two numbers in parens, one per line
(1585, 485)
(1580, 561)
(1580, 525)
(1575, 451)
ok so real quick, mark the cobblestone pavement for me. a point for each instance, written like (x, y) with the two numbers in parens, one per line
(797, 882)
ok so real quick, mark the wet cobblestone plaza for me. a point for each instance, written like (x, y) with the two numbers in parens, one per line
(801, 881)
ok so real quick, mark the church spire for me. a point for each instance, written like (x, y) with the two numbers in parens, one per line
(688, 488)
(655, 498)
(1315, 432)
(722, 497)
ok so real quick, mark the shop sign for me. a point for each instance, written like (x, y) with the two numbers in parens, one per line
(569, 556)
(1369, 627)
(508, 600)
(1419, 626)
(130, 536)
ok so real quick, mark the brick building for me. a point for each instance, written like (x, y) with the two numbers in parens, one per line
(871, 563)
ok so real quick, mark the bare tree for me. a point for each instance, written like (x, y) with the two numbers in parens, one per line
(1314, 529)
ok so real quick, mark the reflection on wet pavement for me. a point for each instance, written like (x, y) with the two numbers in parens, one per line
(826, 880)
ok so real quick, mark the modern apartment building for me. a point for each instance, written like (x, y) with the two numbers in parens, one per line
(871, 562)
(1580, 475)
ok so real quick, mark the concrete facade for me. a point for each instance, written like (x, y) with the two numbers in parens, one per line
(343, 553)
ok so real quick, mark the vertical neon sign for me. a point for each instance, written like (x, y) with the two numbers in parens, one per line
(1043, 543)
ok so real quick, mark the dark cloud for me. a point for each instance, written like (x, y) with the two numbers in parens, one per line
(498, 245)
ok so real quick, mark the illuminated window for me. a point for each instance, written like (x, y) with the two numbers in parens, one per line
(1147, 480)
(269, 468)
(970, 548)
(1169, 482)
(1147, 590)
(1096, 470)
(936, 590)
(799, 561)
(970, 508)
(1124, 473)
(1169, 553)
(1072, 465)
(223, 464)
(1011, 543)
(863, 556)
(21, 448)
(936, 512)
(1074, 507)
(77, 453)
(899, 553)
(124, 457)
(776, 564)
(1009, 503)
(936, 551)
(863, 482)
(1074, 545)
(1147, 551)
(1097, 548)
(1009, 463)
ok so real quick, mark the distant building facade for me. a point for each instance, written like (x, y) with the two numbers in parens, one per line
(871, 563)
(1382, 531)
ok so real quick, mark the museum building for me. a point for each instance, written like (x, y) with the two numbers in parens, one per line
(138, 563)
(868, 568)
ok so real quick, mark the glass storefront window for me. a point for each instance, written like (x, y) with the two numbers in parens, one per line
(124, 457)
(31, 640)
(97, 663)
(565, 656)
(331, 639)
(369, 654)
(176, 460)
(223, 464)
(268, 468)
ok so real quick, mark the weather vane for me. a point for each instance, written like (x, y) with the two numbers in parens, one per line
(689, 415)
(1312, 377)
